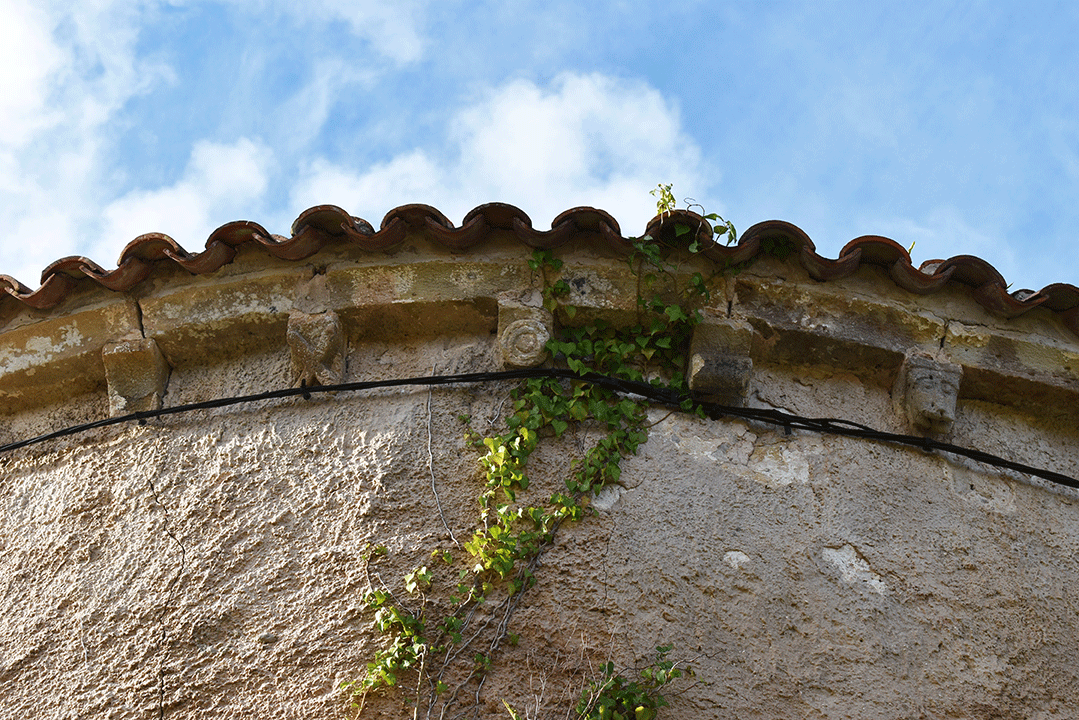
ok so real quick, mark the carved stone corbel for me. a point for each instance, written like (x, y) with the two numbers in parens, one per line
(927, 390)
(136, 373)
(720, 366)
(317, 342)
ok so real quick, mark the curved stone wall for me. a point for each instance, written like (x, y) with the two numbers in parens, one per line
(211, 564)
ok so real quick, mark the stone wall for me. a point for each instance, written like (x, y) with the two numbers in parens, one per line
(211, 564)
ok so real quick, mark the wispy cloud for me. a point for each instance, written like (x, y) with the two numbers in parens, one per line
(26, 33)
(218, 183)
(73, 67)
(582, 139)
(68, 73)
(392, 28)
(113, 113)
(945, 232)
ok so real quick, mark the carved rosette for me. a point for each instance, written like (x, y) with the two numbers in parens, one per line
(524, 342)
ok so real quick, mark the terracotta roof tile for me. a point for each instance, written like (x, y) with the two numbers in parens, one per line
(324, 225)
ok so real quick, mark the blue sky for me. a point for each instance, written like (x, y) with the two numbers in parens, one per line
(954, 126)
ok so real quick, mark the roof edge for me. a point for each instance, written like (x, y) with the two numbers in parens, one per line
(329, 225)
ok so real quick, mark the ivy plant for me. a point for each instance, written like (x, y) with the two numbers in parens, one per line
(448, 631)
(614, 697)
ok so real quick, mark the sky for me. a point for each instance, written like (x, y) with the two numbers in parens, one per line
(952, 126)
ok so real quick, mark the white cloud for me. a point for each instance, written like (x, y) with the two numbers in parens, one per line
(25, 33)
(409, 178)
(304, 115)
(584, 140)
(68, 71)
(390, 27)
(219, 182)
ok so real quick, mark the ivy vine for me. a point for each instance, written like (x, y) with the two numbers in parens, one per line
(447, 628)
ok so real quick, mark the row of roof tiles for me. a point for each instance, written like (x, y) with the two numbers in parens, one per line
(325, 225)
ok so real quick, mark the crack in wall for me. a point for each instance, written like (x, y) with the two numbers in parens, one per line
(138, 319)
(170, 591)
(431, 468)
(607, 575)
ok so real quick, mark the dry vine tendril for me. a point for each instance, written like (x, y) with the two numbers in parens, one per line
(445, 634)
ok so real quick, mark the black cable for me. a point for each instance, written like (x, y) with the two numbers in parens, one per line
(659, 395)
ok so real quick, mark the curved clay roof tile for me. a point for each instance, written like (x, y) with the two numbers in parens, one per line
(498, 216)
(131, 271)
(54, 289)
(913, 280)
(209, 260)
(878, 250)
(664, 228)
(469, 234)
(329, 219)
(972, 271)
(238, 232)
(555, 237)
(416, 216)
(822, 269)
(995, 299)
(76, 266)
(1061, 297)
(323, 225)
(390, 234)
(150, 247)
(590, 219)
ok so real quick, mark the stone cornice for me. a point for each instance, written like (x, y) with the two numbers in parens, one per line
(765, 311)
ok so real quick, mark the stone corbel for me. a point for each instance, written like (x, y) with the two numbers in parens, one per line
(523, 333)
(927, 390)
(137, 374)
(720, 365)
(317, 343)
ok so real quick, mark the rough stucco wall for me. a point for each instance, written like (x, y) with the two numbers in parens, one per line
(273, 507)
(836, 578)
(803, 575)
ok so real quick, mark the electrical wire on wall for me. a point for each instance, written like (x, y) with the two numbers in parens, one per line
(660, 396)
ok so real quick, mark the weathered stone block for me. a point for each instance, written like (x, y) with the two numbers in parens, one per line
(137, 373)
(59, 358)
(720, 366)
(188, 323)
